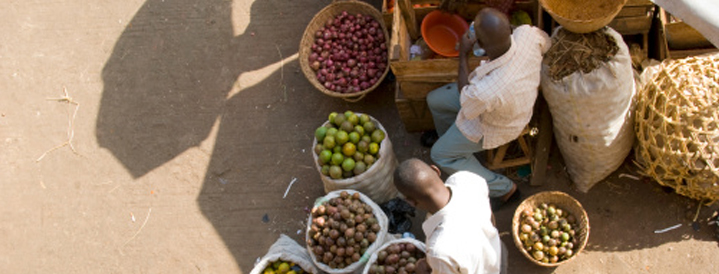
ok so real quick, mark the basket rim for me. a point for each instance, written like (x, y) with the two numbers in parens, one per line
(612, 14)
(562, 195)
(307, 36)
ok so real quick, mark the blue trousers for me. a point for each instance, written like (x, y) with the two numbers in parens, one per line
(454, 152)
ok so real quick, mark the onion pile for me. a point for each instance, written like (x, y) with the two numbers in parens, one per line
(349, 54)
(342, 229)
(400, 258)
(548, 234)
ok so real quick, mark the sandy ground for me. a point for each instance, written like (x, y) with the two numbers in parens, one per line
(183, 125)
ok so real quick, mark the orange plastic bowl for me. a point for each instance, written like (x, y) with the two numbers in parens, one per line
(442, 31)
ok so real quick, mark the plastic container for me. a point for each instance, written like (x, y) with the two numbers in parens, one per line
(442, 31)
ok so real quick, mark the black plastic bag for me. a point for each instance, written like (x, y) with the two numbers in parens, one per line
(399, 213)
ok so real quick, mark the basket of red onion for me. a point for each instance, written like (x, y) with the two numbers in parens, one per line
(343, 51)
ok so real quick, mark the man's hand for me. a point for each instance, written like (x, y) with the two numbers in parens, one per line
(466, 42)
(422, 267)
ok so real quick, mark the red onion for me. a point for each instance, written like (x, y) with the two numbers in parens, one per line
(351, 63)
(329, 23)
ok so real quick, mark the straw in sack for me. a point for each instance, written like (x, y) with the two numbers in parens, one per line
(382, 235)
(287, 250)
(563, 201)
(377, 182)
(317, 22)
(420, 246)
(677, 126)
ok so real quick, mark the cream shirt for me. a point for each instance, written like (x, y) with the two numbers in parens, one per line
(460, 236)
(498, 101)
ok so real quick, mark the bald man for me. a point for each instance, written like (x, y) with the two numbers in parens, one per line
(490, 106)
(461, 237)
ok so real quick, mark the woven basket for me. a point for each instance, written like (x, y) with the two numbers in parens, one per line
(582, 16)
(331, 11)
(563, 201)
(677, 126)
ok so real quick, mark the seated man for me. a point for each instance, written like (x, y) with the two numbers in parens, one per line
(461, 237)
(490, 106)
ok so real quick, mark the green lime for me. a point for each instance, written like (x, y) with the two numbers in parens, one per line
(325, 170)
(319, 148)
(369, 126)
(360, 130)
(377, 136)
(373, 148)
(337, 158)
(354, 119)
(335, 172)
(363, 146)
(284, 267)
(354, 137)
(339, 119)
(369, 159)
(331, 132)
(366, 138)
(342, 137)
(332, 117)
(325, 156)
(360, 167)
(347, 126)
(337, 149)
(320, 133)
(329, 142)
(364, 118)
(348, 113)
(348, 149)
(348, 164)
(358, 156)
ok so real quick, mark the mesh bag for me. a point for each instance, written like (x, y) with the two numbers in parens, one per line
(677, 126)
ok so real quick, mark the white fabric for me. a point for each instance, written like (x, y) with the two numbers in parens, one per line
(498, 101)
(460, 236)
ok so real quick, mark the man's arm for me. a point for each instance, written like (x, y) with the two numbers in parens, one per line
(422, 267)
(465, 46)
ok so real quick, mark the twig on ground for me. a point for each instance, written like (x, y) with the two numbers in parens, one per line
(71, 125)
(139, 230)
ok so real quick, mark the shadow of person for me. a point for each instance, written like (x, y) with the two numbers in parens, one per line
(166, 81)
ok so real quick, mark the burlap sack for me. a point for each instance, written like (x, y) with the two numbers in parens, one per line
(287, 250)
(382, 235)
(377, 182)
(593, 116)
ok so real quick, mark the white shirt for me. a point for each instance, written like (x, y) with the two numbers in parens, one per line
(460, 236)
(498, 101)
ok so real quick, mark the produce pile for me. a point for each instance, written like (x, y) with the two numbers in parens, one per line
(571, 52)
(349, 53)
(400, 258)
(283, 267)
(548, 233)
(347, 145)
(342, 229)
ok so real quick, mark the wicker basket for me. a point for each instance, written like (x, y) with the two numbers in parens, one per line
(677, 126)
(331, 11)
(583, 16)
(563, 201)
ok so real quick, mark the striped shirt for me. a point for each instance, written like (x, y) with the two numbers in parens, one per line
(498, 101)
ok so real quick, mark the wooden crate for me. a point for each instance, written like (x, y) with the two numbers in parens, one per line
(677, 40)
(413, 112)
(421, 7)
(635, 18)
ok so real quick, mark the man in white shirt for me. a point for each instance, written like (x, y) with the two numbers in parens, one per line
(461, 237)
(491, 105)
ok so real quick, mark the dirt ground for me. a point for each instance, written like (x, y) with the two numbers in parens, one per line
(186, 122)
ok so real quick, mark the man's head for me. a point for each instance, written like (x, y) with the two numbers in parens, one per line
(421, 184)
(493, 32)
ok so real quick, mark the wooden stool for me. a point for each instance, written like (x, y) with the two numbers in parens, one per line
(496, 157)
